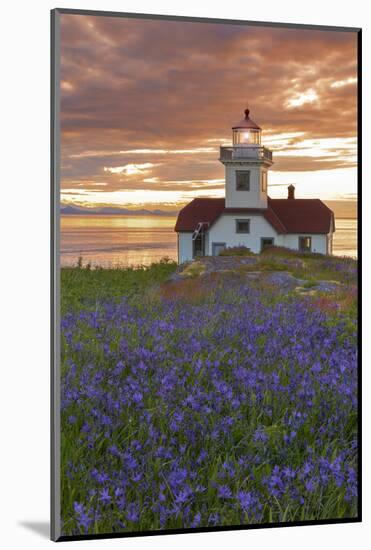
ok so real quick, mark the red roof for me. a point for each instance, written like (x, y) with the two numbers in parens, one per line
(199, 210)
(303, 215)
(284, 215)
(246, 122)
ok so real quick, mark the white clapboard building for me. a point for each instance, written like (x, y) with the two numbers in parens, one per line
(247, 216)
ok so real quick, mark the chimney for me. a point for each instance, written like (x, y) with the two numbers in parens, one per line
(291, 192)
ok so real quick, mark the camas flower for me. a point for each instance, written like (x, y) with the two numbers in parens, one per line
(239, 370)
(224, 491)
(104, 496)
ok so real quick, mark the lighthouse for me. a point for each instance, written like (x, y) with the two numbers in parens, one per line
(246, 216)
(246, 166)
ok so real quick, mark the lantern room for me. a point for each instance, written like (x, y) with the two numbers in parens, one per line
(246, 133)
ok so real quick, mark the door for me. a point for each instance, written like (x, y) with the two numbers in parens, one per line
(199, 245)
(265, 242)
(217, 248)
(305, 244)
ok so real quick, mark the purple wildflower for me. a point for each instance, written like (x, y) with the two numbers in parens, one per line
(224, 491)
(105, 497)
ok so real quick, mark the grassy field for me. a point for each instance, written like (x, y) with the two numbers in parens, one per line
(211, 400)
(86, 288)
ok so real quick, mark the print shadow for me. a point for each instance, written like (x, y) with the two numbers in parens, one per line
(41, 528)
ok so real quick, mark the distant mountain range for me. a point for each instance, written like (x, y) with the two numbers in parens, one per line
(69, 210)
(342, 209)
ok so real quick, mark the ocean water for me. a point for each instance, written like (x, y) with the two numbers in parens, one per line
(117, 240)
(140, 240)
(345, 237)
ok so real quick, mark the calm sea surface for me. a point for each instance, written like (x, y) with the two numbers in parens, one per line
(140, 240)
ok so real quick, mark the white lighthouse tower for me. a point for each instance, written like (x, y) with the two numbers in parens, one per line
(246, 216)
(246, 166)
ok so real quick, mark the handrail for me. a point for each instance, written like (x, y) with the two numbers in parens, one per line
(199, 229)
(237, 152)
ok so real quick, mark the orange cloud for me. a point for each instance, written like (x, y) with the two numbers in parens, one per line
(145, 104)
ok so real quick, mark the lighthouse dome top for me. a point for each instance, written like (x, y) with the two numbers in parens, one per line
(246, 133)
(246, 122)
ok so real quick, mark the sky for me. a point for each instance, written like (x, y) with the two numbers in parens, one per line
(145, 105)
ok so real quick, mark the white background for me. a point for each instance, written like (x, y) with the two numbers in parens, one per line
(24, 254)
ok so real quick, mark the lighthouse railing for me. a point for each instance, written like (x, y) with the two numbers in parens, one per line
(240, 153)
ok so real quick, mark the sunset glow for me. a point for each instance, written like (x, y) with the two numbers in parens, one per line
(307, 97)
(146, 105)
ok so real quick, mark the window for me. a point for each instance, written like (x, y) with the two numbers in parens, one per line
(242, 226)
(305, 244)
(243, 180)
(217, 248)
(246, 136)
(264, 182)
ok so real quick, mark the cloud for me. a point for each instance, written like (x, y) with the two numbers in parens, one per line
(306, 97)
(341, 83)
(195, 151)
(130, 169)
(147, 102)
